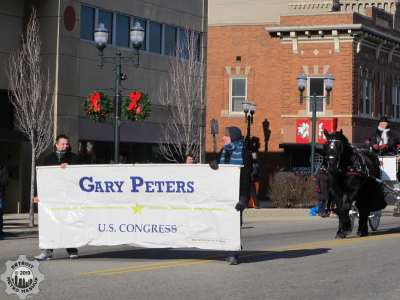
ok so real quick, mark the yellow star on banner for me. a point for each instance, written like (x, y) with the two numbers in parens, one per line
(137, 209)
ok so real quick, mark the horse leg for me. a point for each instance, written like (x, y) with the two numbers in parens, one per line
(363, 223)
(344, 218)
(341, 233)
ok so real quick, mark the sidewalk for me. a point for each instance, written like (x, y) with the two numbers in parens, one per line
(18, 224)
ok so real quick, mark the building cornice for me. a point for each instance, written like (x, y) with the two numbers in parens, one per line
(360, 33)
(274, 29)
(353, 29)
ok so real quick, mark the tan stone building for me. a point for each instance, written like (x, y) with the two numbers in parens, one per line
(260, 61)
(68, 50)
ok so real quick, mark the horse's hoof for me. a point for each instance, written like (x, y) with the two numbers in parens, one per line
(340, 235)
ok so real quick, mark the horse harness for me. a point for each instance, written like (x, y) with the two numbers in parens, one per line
(358, 165)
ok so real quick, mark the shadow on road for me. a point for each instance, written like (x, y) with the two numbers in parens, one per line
(174, 254)
(258, 256)
(391, 230)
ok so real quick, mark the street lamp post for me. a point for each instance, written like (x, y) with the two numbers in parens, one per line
(301, 85)
(136, 38)
(249, 109)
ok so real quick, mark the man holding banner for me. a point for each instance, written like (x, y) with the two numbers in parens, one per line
(61, 156)
(237, 152)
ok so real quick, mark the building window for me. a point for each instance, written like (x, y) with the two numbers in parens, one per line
(316, 88)
(396, 101)
(382, 99)
(187, 37)
(106, 18)
(122, 32)
(7, 110)
(238, 94)
(143, 23)
(365, 92)
(197, 40)
(365, 96)
(183, 43)
(159, 38)
(155, 37)
(87, 23)
(170, 37)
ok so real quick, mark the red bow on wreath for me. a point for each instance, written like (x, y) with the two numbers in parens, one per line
(95, 101)
(135, 98)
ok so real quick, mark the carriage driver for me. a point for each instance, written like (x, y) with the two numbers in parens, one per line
(384, 142)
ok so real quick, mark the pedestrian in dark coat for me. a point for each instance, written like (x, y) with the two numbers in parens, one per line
(62, 156)
(236, 151)
(323, 193)
(255, 171)
(86, 153)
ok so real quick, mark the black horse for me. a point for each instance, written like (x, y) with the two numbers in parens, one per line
(352, 174)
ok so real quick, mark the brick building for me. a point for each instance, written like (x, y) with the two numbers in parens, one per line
(260, 61)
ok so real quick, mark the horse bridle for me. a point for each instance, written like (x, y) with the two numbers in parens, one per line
(332, 144)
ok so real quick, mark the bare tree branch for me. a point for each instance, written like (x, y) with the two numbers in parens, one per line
(29, 94)
(181, 94)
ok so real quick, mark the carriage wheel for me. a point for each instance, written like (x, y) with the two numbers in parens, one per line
(374, 219)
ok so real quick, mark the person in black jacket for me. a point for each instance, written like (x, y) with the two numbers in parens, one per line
(323, 193)
(384, 142)
(63, 157)
(237, 151)
(255, 171)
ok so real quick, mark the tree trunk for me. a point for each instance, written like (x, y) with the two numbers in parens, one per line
(32, 204)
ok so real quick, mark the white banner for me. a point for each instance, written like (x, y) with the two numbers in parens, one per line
(153, 206)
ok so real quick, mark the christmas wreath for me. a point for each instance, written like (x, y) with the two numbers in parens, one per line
(137, 106)
(97, 106)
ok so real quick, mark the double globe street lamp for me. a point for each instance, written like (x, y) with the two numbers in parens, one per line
(249, 109)
(314, 99)
(101, 36)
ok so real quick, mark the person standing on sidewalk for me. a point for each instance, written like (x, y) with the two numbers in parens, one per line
(63, 157)
(3, 184)
(255, 172)
(323, 193)
(189, 158)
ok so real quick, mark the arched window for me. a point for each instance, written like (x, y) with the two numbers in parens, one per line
(396, 98)
(386, 6)
(365, 92)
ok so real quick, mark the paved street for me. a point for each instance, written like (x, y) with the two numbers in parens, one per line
(288, 255)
